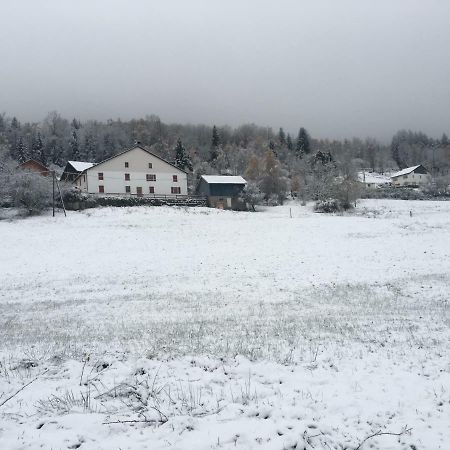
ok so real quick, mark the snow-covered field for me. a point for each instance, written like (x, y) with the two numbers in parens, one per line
(206, 329)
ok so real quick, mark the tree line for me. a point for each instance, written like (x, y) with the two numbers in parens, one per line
(276, 161)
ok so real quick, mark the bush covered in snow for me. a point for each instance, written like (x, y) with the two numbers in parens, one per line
(331, 205)
(31, 192)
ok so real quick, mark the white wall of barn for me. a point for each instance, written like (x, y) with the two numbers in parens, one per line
(419, 179)
(138, 161)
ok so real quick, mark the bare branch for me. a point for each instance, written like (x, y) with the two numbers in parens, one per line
(382, 433)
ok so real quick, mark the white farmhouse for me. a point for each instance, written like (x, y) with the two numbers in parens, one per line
(135, 171)
(411, 176)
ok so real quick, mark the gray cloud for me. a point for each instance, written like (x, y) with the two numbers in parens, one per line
(339, 68)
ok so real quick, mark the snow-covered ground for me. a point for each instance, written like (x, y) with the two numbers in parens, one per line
(209, 329)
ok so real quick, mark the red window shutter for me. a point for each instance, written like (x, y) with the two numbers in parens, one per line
(101, 189)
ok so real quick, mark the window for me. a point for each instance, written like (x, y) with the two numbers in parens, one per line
(151, 189)
(101, 189)
(176, 190)
(405, 177)
(127, 189)
(100, 175)
(126, 164)
(127, 177)
(151, 177)
(174, 178)
(150, 165)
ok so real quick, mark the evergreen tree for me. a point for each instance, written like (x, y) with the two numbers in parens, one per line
(303, 146)
(445, 141)
(215, 140)
(289, 143)
(21, 151)
(55, 151)
(282, 137)
(74, 147)
(76, 124)
(37, 149)
(90, 148)
(182, 160)
(395, 152)
(108, 146)
(215, 143)
(15, 124)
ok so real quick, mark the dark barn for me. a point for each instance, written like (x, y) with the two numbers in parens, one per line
(222, 191)
(73, 169)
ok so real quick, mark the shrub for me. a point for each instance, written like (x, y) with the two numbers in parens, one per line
(251, 195)
(330, 205)
(30, 191)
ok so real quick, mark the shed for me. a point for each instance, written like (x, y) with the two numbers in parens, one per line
(74, 168)
(222, 191)
(34, 166)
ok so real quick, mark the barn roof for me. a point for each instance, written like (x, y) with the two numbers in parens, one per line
(405, 171)
(79, 166)
(223, 179)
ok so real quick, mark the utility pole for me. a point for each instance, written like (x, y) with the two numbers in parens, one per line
(61, 198)
(53, 202)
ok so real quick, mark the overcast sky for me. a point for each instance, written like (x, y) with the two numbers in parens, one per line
(338, 67)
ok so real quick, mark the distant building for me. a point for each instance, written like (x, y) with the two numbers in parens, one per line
(411, 176)
(135, 171)
(373, 180)
(222, 191)
(74, 168)
(35, 166)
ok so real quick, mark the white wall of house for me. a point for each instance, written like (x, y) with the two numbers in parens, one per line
(138, 164)
(419, 179)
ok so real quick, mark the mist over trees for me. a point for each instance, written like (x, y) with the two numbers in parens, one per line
(275, 162)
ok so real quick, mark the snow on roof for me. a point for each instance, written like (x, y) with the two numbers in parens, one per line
(373, 178)
(79, 166)
(405, 171)
(223, 179)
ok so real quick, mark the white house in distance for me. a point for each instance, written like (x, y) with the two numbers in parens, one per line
(135, 171)
(411, 176)
(373, 180)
